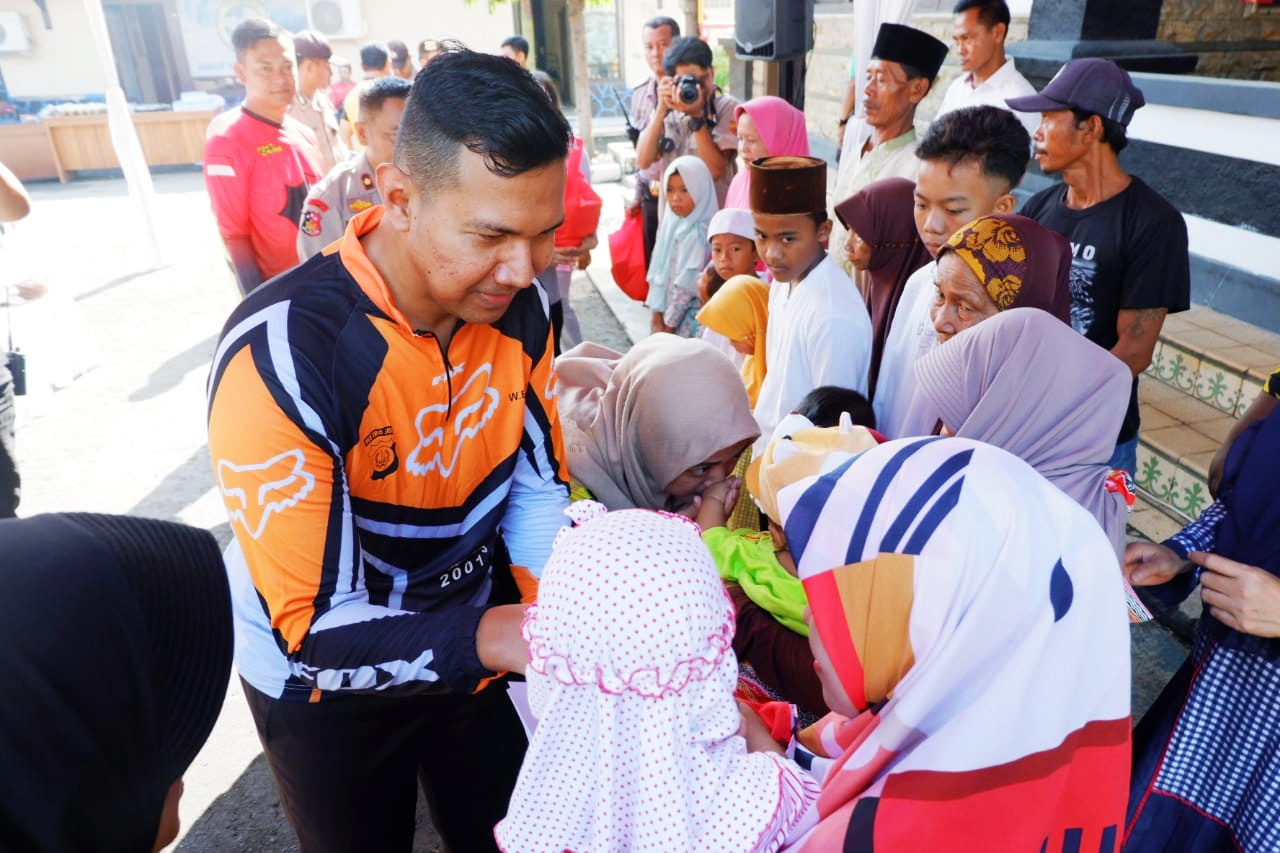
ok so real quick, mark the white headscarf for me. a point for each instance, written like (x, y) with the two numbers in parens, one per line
(680, 249)
(632, 675)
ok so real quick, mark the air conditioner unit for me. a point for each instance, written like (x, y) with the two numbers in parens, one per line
(13, 33)
(337, 19)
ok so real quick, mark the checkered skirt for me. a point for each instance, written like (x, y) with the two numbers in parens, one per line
(1223, 755)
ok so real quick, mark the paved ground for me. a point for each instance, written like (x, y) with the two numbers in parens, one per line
(128, 435)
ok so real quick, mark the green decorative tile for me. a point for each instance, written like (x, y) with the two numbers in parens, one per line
(1218, 386)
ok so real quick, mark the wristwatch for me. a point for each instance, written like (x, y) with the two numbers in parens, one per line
(844, 121)
(697, 124)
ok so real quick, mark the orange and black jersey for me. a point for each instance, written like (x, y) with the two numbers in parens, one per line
(373, 477)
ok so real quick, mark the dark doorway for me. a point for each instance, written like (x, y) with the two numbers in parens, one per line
(148, 53)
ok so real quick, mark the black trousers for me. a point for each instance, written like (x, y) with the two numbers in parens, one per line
(649, 209)
(346, 767)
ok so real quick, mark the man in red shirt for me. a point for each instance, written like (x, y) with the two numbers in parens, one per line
(258, 163)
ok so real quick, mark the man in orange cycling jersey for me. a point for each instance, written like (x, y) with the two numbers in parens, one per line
(383, 430)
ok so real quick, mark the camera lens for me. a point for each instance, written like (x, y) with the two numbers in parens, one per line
(687, 89)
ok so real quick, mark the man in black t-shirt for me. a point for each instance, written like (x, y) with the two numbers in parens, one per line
(1129, 265)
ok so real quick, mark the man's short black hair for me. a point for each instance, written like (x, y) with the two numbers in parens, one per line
(376, 92)
(824, 404)
(663, 21)
(687, 50)
(1113, 132)
(485, 103)
(990, 12)
(250, 31)
(374, 56)
(989, 136)
(517, 43)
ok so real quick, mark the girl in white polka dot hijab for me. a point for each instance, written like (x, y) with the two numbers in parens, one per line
(632, 674)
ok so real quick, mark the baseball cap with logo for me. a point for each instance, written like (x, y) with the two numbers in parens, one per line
(1093, 85)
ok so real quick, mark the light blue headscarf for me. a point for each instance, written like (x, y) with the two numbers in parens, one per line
(681, 248)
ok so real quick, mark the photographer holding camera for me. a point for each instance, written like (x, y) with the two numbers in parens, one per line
(14, 204)
(685, 114)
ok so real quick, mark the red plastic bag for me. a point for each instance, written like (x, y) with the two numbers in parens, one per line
(626, 250)
(581, 203)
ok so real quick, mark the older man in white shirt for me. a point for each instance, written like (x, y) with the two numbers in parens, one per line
(988, 77)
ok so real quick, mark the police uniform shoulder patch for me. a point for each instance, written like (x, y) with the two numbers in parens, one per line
(310, 224)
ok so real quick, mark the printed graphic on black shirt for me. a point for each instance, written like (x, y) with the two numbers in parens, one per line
(1083, 273)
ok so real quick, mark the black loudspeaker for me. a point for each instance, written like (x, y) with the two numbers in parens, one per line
(773, 29)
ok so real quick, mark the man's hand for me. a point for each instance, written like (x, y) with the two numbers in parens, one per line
(1240, 596)
(696, 109)
(498, 642)
(1149, 564)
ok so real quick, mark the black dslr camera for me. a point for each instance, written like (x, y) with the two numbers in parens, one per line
(687, 88)
(18, 369)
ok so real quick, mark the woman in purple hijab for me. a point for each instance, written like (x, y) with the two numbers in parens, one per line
(883, 240)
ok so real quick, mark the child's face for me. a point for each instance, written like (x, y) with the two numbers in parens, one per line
(790, 243)
(833, 692)
(678, 197)
(733, 255)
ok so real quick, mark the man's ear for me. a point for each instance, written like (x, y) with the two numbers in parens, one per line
(917, 89)
(361, 133)
(1000, 31)
(239, 68)
(1005, 204)
(397, 191)
(824, 231)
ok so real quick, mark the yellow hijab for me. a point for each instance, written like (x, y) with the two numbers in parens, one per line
(740, 311)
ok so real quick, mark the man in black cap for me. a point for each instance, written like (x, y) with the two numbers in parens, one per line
(903, 65)
(1129, 265)
(311, 105)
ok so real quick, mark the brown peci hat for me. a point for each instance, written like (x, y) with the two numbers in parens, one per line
(310, 44)
(788, 184)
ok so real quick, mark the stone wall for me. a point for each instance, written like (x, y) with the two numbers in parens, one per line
(1233, 39)
(827, 78)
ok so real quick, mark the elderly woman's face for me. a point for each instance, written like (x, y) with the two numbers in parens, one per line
(961, 301)
(694, 480)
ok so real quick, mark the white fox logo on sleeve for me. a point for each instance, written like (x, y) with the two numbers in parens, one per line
(253, 492)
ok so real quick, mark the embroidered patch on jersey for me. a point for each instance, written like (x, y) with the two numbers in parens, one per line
(253, 492)
(382, 452)
(269, 148)
(366, 181)
(319, 204)
(310, 223)
(359, 205)
(472, 407)
(220, 170)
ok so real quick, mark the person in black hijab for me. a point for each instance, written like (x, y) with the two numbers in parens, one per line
(116, 644)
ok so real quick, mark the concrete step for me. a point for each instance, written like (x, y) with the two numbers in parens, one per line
(624, 153)
(1206, 370)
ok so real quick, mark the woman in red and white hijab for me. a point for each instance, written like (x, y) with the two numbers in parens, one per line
(969, 621)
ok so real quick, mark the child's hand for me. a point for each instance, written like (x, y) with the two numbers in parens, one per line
(657, 326)
(704, 286)
(755, 732)
(716, 502)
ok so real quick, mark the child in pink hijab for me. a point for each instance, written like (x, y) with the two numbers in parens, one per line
(640, 743)
(768, 126)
